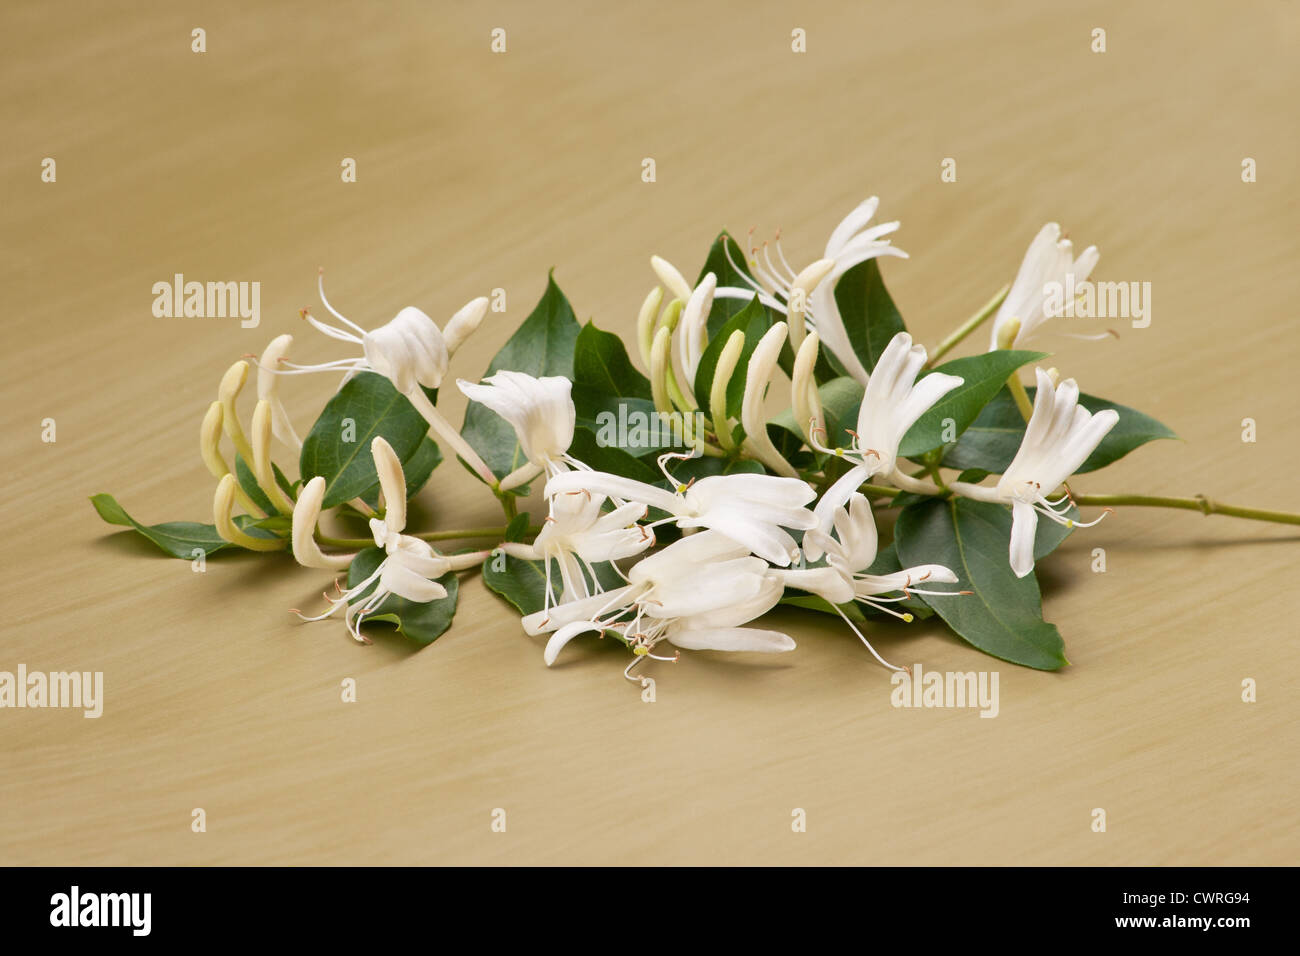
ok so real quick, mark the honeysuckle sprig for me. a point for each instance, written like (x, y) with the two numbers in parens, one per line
(751, 509)
(850, 549)
(696, 594)
(410, 566)
(1061, 434)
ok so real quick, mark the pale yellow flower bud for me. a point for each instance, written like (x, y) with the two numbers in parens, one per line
(222, 503)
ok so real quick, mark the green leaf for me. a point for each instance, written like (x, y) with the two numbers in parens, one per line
(589, 450)
(994, 437)
(628, 424)
(754, 320)
(984, 375)
(601, 364)
(870, 317)
(180, 539)
(1004, 615)
(422, 623)
(542, 346)
(519, 581)
(517, 529)
(724, 309)
(375, 407)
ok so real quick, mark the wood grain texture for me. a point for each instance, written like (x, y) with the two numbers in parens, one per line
(479, 171)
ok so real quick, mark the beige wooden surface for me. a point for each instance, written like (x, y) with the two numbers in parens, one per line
(479, 171)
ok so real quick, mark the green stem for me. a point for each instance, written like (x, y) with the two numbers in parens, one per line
(969, 326)
(1199, 503)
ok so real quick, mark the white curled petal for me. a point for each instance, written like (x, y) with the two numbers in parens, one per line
(1024, 524)
(732, 639)
(564, 635)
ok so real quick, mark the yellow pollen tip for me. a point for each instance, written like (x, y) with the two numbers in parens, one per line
(907, 619)
(681, 489)
(640, 651)
(1069, 523)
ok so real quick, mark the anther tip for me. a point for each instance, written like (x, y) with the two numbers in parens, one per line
(907, 618)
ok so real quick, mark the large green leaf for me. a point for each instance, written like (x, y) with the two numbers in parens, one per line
(591, 451)
(754, 320)
(542, 346)
(422, 623)
(178, 538)
(994, 437)
(983, 375)
(1004, 615)
(717, 263)
(341, 454)
(870, 317)
(601, 365)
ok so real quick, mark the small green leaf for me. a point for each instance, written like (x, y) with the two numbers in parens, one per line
(517, 529)
(1004, 615)
(994, 437)
(374, 407)
(717, 263)
(870, 317)
(180, 539)
(983, 376)
(422, 623)
(542, 346)
(754, 320)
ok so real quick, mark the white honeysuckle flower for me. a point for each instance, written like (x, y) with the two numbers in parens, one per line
(410, 566)
(1060, 436)
(268, 389)
(579, 533)
(410, 351)
(752, 510)
(758, 375)
(1049, 264)
(541, 412)
(695, 594)
(849, 552)
(852, 242)
(891, 403)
